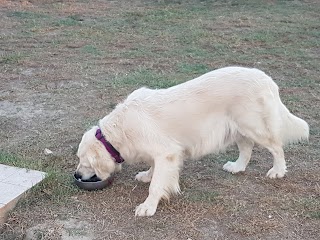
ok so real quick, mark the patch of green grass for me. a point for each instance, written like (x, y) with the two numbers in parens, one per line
(263, 37)
(311, 205)
(76, 232)
(76, 17)
(293, 98)
(144, 77)
(56, 186)
(294, 80)
(315, 215)
(197, 68)
(304, 206)
(201, 196)
(69, 21)
(12, 160)
(11, 58)
(136, 52)
(91, 50)
(40, 234)
(88, 123)
(223, 157)
(26, 15)
(315, 131)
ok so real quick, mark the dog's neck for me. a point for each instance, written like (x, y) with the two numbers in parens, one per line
(112, 151)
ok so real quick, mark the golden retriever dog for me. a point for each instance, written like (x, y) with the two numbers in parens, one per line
(164, 127)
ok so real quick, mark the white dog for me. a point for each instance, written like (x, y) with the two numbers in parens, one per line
(164, 127)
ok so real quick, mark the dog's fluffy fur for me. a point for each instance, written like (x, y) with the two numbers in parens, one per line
(164, 127)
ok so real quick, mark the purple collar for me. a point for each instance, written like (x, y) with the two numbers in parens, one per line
(113, 152)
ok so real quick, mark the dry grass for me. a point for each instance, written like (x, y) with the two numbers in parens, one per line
(65, 64)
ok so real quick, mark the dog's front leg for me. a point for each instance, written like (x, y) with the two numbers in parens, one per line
(165, 180)
(145, 176)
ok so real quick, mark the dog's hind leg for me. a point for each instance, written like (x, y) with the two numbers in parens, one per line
(268, 137)
(245, 146)
(165, 180)
(274, 145)
(145, 176)
(279, 164)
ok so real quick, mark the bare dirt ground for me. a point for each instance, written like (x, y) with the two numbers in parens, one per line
(58, 65)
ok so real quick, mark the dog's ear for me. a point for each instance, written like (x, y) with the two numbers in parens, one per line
(102, 167)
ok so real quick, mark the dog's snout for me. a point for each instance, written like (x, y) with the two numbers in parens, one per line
(77, 175)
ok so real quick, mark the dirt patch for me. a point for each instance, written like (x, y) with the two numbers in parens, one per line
(71, 229)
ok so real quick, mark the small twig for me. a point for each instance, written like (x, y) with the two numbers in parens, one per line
(134, 188)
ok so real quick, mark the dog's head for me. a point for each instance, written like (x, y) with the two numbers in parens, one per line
(94, 158)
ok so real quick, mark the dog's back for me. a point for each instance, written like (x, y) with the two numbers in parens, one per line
(207, 113)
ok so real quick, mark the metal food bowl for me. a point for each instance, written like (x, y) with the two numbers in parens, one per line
(94, 183)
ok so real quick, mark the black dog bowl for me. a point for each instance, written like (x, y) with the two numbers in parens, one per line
(94, 183)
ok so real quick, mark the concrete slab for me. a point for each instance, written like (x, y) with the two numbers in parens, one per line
(10, 191)
(6, 171)
(14, 183)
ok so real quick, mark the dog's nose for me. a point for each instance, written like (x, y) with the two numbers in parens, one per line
(77, 175)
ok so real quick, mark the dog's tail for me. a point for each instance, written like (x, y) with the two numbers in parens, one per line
(293, 129)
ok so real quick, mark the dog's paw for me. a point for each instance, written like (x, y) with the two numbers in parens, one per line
(144, 177)
(233, 167)
(145, 210)
(276, 172)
